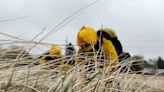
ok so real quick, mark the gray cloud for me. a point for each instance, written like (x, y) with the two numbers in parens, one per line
(138, 23)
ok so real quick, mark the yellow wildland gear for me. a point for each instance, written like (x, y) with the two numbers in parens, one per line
(111, 35)
(87, 38)
(110, 44)
(54, 52)
(110, 51)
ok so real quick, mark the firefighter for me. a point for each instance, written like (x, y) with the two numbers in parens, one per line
(88, 41)
(111, 35)
(54, 52)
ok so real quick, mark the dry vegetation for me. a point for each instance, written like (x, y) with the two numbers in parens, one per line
(19, 74)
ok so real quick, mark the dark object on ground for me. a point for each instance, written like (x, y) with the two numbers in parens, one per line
(148, 65)
(124, 56)
(135, 63)
(160, 63)
(70, 51)
(138, 63)
(137, 66)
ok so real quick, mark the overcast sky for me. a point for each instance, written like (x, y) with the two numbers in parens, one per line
(139, 23)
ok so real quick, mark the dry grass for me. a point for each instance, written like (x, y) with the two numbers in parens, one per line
(19, 74)
(77, 78)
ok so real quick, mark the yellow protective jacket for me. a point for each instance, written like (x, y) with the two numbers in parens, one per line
(111, 35)
(109, 50)
(54, 52)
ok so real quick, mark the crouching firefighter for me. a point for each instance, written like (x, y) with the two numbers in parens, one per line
(107, 34)
(51, 59)
(90, 45)
(53, 53)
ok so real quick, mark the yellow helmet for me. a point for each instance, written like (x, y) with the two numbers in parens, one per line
(55, 50)
(86, 37)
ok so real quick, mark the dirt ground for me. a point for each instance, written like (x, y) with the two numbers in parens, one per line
(154, 81)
